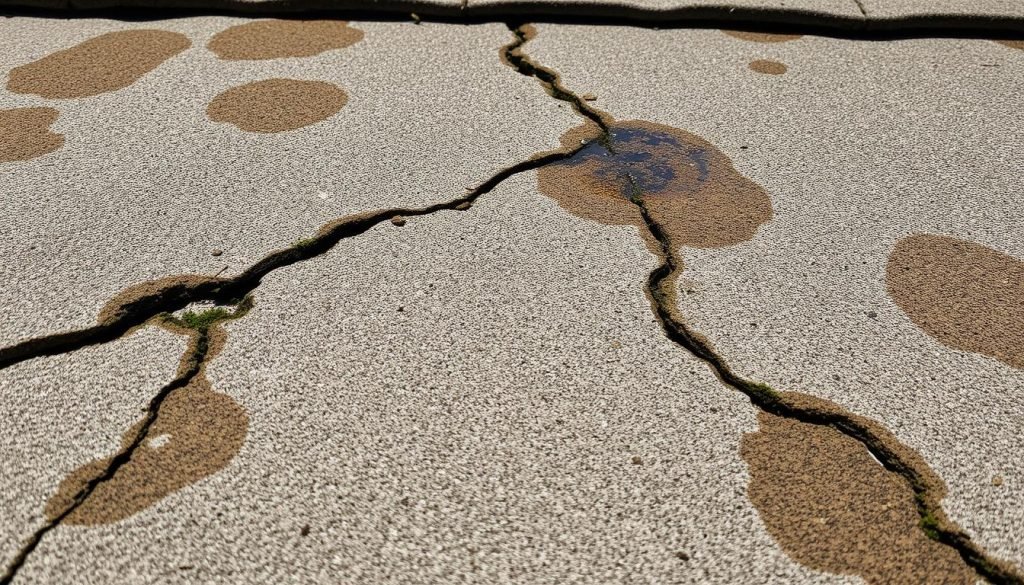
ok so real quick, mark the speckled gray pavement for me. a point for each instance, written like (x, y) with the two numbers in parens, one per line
(483, 394)
(858, 144)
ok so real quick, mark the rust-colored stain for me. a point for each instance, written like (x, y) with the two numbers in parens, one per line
(105, 63)
(1013, 44)
(278, 39)
(277, 105)
(121, 303)
(197, 432)
(768, 67)
(833, 508)
(758, 37)
(690, 187)
(965, 295)
(25, 133)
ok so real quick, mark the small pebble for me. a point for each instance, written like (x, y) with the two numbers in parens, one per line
(683, 556)
(398, 220)
(637, 460)
(217, 252)
(401, 309)
(305, 530)
(872, 314)
(997, 481)
(616, 344)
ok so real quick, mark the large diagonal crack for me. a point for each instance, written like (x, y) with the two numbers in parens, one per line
(660, 289)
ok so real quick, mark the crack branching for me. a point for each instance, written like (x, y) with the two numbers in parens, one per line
(174, 293)
(198, 326)
(660, 289)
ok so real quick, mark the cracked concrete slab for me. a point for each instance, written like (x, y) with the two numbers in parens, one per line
(859, 145)
(938, 11)
(789, 11)
(475, 396)
(155, 175)
(60, 412)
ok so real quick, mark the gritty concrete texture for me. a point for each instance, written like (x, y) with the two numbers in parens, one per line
(477, 396)
(63, 411)
(146, 185)
(942, 10)
(859, 145)
(790, 11)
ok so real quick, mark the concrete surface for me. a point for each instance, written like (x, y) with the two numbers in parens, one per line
(458, 400)
(63, 411)
(147, 185)
(858, 144)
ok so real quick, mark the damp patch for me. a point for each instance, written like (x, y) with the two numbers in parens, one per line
(26, 133)
(101, 64)
(965, 295)
(279, 39)
(277, 105)
(768, 67)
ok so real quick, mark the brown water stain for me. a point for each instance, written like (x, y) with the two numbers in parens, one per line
(105, 63)
(277, 105)
(690, 187)
(1013, 44)
(768, 67)
(197, 432)
(833, 508)
(965, 295)
(759, 37)
(25, 133)
(278, 39)
(119, 305)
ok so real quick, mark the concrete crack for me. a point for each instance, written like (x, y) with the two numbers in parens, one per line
(660, 289)
(192, 366)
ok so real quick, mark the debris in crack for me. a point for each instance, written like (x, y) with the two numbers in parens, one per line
(205, 430)
(895, 457)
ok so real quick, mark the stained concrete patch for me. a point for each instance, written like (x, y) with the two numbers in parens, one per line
(690, 187)
(146, 185)
(852, 168)
(278, 39)
(768, 67)
(1013, 44)
(833, 507)
(61, 411)
(479, 396)
(277, 105)
(967, 296)
(26, 133)
(105, 63)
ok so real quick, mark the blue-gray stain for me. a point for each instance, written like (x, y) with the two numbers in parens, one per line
(647, 157)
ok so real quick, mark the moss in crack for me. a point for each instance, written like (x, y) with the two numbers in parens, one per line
(304, 243)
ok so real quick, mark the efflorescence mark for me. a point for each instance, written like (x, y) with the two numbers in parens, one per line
(277, 105)
(965, 295)
(278, 39)
(101, 64)
(834, 508)
(26, 133)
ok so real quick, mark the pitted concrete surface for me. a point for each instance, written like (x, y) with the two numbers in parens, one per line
(476, 396)
(60, 412)
(854, 144)
(147, 185)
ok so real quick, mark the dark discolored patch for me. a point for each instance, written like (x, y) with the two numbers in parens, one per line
(759, 37)
(1013, 44)
(197, 433)
(690, 187)
(105, 63)
(768, 67)
(832, 507)
(168, 286)
(277, 39)
(25, 133)
(965, 295)
(277, 105)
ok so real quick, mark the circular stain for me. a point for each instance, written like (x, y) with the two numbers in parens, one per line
(277, 105)
(26, 133)
(277, 39)
(689, 187)
(768, 67)
(758, 37)
(105, 63)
